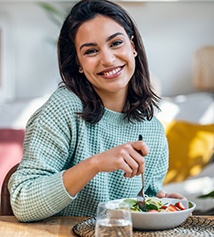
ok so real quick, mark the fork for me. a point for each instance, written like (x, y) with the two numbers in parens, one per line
(140, 196)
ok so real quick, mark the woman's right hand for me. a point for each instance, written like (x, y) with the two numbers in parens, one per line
(128, 157)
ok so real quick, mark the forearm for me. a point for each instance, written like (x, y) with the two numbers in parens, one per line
(76, 178)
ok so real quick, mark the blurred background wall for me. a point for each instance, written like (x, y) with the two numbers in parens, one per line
(172, 32)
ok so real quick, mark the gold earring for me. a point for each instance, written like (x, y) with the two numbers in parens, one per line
(80, 70)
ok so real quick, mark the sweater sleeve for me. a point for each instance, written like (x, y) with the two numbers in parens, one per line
(36, 188)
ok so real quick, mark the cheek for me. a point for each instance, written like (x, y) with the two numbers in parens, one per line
(128, 57)
(127, 54)
(131, 60)
(88, 63)
(132, 65)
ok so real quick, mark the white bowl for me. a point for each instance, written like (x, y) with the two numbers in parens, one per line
(162, 220)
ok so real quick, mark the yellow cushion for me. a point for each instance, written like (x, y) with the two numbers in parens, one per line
(190, 149)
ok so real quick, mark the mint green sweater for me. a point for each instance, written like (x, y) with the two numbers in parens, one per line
(57, 139)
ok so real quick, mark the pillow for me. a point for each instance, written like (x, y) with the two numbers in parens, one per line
(191, 147)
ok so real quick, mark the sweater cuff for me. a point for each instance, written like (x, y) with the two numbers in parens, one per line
(55, 194)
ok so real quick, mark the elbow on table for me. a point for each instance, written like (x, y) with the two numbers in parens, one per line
(25, 212)
(22, 214)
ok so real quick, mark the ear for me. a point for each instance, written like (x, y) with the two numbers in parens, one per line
(133, 46)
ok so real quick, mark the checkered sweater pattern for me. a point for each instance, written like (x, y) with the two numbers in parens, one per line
(57, 139)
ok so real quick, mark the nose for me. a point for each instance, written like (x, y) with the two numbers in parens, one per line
(107, 57)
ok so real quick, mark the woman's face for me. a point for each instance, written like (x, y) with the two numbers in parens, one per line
(106, 55)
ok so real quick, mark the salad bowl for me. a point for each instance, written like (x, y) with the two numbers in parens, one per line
(155, 220)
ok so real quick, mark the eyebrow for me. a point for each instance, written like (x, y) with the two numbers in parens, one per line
(108, 39)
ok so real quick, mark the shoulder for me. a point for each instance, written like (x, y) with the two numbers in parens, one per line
(155, 132)
(62, 105)
(156, 125)
(63, 100)
(64, 97)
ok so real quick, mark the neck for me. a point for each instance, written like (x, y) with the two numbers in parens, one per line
(114, 101)
(114, 106)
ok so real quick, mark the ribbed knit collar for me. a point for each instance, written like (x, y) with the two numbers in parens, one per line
(114, 117)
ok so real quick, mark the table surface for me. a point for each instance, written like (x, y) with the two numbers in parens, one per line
(50, 227)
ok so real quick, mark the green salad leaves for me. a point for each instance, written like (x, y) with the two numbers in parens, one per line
(152, 203)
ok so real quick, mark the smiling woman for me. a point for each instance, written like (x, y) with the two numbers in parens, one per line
(90, 125)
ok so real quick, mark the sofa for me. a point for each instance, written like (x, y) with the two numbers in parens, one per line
(189, 125)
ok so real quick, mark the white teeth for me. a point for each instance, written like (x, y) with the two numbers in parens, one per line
(112, 72)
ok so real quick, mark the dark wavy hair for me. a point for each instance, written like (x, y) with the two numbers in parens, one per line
(141, 100)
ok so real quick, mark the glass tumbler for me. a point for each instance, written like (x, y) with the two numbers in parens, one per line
(113, 220)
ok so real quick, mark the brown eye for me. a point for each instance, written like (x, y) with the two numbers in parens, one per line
(116, 43)
(91, 51)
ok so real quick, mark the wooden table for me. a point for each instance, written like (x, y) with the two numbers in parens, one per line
(50, 227)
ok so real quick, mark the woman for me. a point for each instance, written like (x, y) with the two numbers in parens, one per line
(81, 147)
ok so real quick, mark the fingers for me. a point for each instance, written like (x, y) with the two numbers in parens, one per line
(162, 194)
(125, 157)
(135, 166)
(133, 158)
(175, 195)
(141, 147)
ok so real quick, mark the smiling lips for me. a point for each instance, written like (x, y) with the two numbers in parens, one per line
(111, 73)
